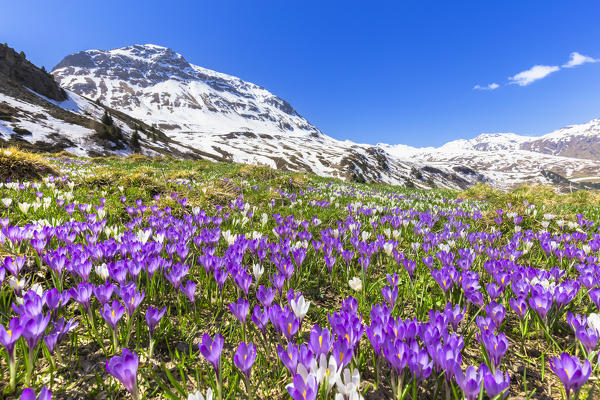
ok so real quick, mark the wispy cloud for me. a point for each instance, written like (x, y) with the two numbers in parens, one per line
(537, 72)
(491, 86)
(578, 59)
(532, 74)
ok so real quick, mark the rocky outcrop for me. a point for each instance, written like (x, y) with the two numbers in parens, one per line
(14, 67)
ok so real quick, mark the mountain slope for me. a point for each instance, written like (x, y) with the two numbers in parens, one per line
(158, 85)
(507, 159)
(224, 118)
(38, 114)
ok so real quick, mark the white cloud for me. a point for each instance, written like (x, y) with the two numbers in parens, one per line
(533, 74)
(578, 59)
(491, 86)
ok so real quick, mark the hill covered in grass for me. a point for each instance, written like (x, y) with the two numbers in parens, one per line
(157, 278)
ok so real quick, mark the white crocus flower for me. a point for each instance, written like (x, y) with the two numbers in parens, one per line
(24, 207)
(143, 235)
(199, 396)
(16, 284)
(387, 232)
(7, 202)
(258, 271)
(348, 386)
(366, 235)
(355, 283)
(388, 247)
(229, 237)
(304, 373)
(102, 271)
(594, 322)
(300, 307)
(328, 372)
(36, 287)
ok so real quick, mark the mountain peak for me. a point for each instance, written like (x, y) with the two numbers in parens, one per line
(159, 86)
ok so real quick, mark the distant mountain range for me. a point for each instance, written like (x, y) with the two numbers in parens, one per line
(507, 159)
(185, 110)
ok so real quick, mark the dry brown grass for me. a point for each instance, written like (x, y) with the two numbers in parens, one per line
(537, 194)
(18, 165)
(138, 158)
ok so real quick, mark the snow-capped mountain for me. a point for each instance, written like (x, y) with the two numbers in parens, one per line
(507, 159)
(184, 111)
(38, 114)
(188, 111)
(158, 85)
(224, 118)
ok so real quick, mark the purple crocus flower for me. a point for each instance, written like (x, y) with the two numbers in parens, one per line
(32, 305)
(104, 292)
(52, 298)
(519, 306)
(244, 357)
(153, 317)
(59, 331)
(571, 372)
(82, 294)
(15, 265)
(131, 298)
(124, 368)
(469, 382)
(29, 394)
(265, 296)
(342, 352)
(303, 390)
(240, 309)
(419, 364)
(189, 289)
(576, 321)
(496, 312)
(113, 313)
(8, 337)
(493, 290)
(495, 347)
(320, 341)
(211, 349)
(496, 383)
(396, 353)
(595, 297)
(541, 303)
(390, 295)
(260, 318)
(33, 328)
(443, 278)
(454, 314)
(588, 337)
(289, 356)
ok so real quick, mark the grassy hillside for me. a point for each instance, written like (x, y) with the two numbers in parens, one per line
(410, 292)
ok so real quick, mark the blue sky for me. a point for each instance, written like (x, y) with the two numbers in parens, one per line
(395, 72)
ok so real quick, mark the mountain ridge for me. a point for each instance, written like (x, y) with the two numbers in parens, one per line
(308, 150)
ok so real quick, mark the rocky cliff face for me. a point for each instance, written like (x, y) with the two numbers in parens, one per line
(15, 68)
